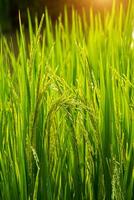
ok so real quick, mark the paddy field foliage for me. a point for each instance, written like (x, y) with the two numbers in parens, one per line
(67, 110)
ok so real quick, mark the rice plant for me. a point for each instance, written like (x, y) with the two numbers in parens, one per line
(67, 110)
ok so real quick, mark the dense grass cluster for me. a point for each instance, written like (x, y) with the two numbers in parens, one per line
(67, 111)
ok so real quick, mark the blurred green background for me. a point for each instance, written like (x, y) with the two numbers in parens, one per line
(4, 14)
(9, 13)
(9, 10)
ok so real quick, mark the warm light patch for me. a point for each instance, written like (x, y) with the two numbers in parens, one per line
(102, 3)
(108, 4)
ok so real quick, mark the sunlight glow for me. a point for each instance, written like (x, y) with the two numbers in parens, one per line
(102, 4)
